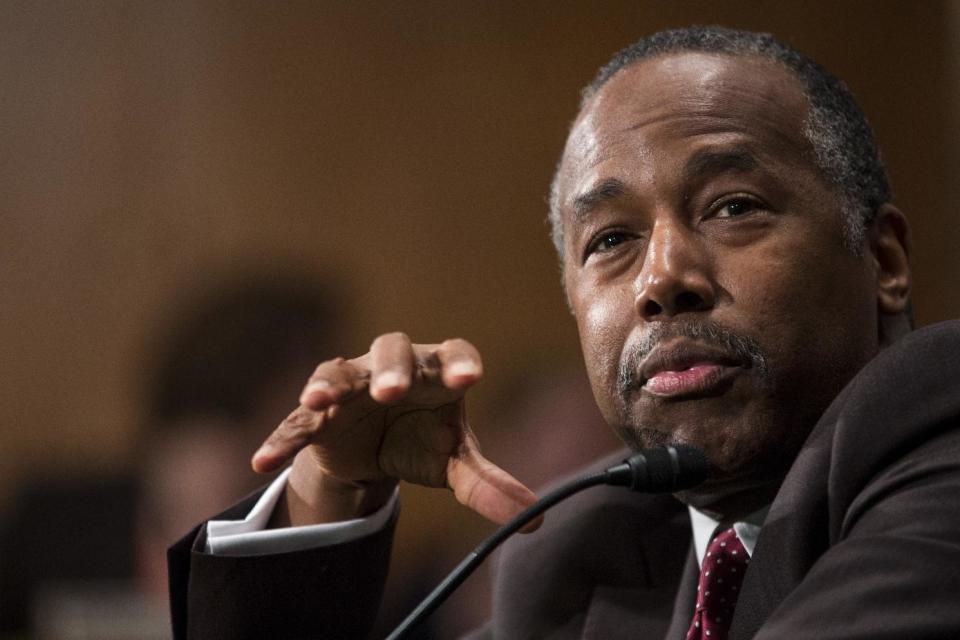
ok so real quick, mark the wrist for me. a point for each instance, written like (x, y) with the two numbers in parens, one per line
(314, 497)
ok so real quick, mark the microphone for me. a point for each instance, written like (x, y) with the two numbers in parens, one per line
(659, 470)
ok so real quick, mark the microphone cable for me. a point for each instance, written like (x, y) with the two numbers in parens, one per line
(659, 470)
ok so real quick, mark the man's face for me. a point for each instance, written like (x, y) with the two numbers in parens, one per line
(716, 303)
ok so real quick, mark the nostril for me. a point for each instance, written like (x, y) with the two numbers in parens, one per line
(651, 308)
(688, 300)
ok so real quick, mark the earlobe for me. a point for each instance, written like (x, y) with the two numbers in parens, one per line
(889, 237)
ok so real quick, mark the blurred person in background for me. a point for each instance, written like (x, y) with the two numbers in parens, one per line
(85, 557)
(235, 351)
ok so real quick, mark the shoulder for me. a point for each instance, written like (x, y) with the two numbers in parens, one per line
(906, 397)
(866, 513)
(894, 425)
(922, 366)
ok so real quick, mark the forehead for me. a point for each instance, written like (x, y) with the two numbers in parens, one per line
(654, 111)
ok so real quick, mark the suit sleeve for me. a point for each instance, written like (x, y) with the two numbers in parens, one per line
(326, 592)
(891, 568)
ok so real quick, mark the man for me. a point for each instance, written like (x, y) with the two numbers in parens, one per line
(733, 263)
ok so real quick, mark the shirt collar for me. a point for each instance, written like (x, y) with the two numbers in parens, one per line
(705, 527)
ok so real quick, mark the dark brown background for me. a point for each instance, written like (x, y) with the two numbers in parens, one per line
(402, 149)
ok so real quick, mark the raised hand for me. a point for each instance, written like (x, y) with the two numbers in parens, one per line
(396, 412)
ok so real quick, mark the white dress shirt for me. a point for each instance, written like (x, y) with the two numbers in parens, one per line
(705, 528)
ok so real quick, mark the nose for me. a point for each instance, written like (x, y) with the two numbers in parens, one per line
(675, 277)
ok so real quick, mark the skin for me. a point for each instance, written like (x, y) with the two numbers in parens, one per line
(721, 215)
(395, 413)
(688, 194)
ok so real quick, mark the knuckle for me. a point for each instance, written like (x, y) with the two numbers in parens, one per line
(327, 366)
(460, 350)
(456, 345)
(388, 338)
(297, 425)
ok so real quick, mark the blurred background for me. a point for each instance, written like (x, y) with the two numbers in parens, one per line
(199, 200)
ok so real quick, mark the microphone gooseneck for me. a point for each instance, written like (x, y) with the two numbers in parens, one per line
(660, 470)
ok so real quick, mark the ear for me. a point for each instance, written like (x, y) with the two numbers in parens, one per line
(888, 244)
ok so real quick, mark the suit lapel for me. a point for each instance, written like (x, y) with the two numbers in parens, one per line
(644, 613)
(686, 598)
(630, 614)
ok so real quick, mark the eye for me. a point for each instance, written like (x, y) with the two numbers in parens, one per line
(736, 206)
(609, 241)
(604, 242)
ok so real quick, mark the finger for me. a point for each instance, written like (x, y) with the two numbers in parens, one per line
(460, 362)
(291, 436)
(332, 381)
(487, 489)
(391, 365)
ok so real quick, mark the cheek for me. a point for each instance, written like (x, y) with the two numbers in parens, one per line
(604, 322)
(816, 309)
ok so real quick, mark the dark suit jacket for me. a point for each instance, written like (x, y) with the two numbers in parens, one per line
(862, 541)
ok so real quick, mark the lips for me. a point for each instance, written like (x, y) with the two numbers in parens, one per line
(686, 368)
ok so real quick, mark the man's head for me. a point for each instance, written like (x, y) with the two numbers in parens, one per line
(728, 262)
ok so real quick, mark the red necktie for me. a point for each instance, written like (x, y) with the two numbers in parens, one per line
(720, 578)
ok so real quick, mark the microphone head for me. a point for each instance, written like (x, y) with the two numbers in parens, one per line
(668, 469)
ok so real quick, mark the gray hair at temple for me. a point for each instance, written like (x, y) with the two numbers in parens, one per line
(843, 142)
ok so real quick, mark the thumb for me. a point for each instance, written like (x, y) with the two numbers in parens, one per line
(484, 487)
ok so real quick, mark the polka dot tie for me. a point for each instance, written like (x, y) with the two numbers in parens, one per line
(720, 578)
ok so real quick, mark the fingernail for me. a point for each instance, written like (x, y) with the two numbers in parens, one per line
(389, 379)
(320, 385)
(462, 368)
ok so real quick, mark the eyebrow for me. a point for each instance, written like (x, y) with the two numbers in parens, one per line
(704, 164)
(609, 189)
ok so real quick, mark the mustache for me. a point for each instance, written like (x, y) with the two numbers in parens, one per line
(742, 347)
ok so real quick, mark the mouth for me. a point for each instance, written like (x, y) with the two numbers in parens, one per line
(684, 368)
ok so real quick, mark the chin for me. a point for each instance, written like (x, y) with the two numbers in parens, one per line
(725, 452)
(739, 469)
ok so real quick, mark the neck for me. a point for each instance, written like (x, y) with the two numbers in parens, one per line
(729, 505)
